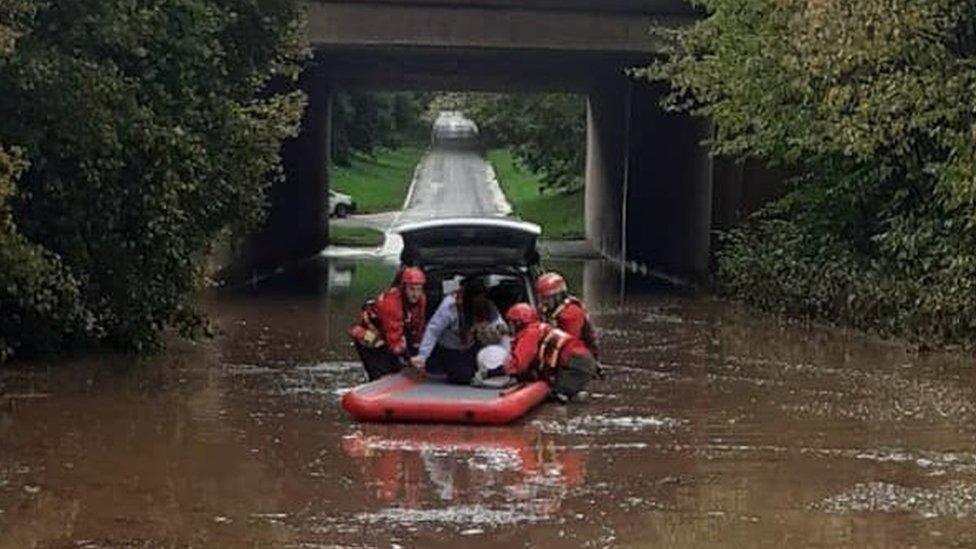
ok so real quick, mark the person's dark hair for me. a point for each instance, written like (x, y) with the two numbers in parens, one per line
(473, 286)
(482, 309)
(474, 299)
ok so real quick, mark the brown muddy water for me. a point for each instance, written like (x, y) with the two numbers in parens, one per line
(716, 428)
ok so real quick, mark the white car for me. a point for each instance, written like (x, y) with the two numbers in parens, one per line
(452, 129)
(340, 205)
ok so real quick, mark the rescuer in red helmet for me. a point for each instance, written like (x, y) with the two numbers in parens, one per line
(542, 351)
(565, 311)
(391, 325)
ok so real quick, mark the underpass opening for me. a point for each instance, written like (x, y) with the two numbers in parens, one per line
(645, 179)
(647, 182)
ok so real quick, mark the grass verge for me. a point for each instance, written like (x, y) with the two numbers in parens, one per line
(378, 183)
(559, 215)
(363, 237)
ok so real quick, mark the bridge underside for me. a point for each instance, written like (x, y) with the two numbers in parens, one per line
(462, 69)
(649, 183)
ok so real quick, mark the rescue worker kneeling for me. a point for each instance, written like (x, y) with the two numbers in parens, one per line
(542, 351)
(565, 311)
(390, 326)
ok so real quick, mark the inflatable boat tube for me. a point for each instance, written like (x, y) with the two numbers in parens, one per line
(409, 398)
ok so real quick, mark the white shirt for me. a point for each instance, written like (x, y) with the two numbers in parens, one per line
(444, 329)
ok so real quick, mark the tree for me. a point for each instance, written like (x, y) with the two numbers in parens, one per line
(39, 299)
(872, 102)
(149, 132)
(362, 121)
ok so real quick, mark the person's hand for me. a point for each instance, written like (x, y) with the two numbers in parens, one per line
(418, 362)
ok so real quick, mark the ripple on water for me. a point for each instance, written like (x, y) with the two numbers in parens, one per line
(601, 424)
(954, 499)
(463, 516)
(959, 462)
(328, 379)
(333, 367)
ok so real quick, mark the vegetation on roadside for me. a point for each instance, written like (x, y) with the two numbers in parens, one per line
(560, 214)
(545, 132)
(366, 122)
(872, 101)
(357, 237)
(380, 182)
(134, 136)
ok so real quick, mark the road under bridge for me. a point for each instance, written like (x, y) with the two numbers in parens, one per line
(653, 194)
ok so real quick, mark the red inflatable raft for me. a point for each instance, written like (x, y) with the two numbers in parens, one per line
(408, 398)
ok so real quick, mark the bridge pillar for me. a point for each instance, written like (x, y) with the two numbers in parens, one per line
(605, 160)
(296, 226)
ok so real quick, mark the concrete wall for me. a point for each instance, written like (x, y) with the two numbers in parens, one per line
(648, 181)
(741, 188)
(669, 192)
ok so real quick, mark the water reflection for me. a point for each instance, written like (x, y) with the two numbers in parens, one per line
(499, 470)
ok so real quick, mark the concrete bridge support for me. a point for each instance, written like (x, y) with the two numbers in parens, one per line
(648, 181)
(297, 223)
(606, 140)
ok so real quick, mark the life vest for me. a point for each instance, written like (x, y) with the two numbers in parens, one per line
(587, 334)
(365, 331)
(549, 348)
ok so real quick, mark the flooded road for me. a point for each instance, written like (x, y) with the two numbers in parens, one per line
(717, 427)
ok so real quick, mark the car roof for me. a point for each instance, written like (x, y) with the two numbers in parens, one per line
(469, 242)
(500, 222)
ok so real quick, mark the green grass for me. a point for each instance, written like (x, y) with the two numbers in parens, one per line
(559, 215)
(355, 236)
(378, 183)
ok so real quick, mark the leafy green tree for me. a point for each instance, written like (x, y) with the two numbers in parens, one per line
(546, 132)
(363, 121)
(872, 102)
(148, 133)
(40, 308)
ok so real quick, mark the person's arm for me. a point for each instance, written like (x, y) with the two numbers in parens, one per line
(435, 327)
(524, 349)
(390, 310)
(571, 321)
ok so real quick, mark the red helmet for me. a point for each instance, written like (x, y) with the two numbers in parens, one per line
(521, 314)
(412, 275)
(549, 284)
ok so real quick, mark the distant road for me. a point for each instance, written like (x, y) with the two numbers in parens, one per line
(453, 179)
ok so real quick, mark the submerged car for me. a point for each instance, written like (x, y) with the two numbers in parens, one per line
(501, 251)
(340, 204)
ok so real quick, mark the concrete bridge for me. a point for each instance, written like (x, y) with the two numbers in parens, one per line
(652, 193)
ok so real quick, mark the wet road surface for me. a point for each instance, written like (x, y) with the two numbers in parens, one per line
(452, 183)
(716, 428)
(453, 179)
